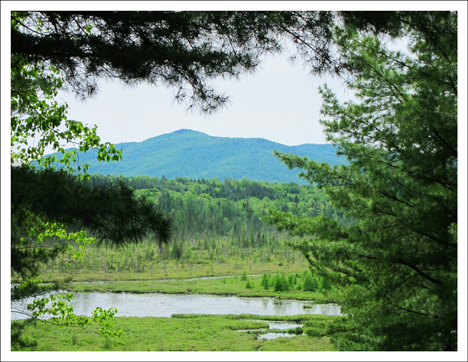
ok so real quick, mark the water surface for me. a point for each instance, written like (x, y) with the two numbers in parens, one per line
(165, 305)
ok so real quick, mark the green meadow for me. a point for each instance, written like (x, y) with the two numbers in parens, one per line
(251, 286)
(220, 246)
(192, 332)
(177, 333)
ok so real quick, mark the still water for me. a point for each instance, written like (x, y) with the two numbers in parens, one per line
(165, 305)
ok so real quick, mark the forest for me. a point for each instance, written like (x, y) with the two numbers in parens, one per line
(191, 154)
(213, 223)
(364, 256)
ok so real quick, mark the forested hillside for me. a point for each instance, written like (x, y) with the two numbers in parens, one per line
(377, 234)
(215, 223)
(195, 155)
(232, 208)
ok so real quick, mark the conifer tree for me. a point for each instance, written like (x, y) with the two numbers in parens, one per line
(244, 275)
(397, 265)
(403, 161)
(183, 49)
(265, 282)
(326, 284)
(309, 285)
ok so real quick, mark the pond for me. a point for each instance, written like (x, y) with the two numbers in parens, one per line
(165, 305)
(276, 325)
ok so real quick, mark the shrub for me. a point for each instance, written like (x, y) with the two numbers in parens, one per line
(285, 283)
(244, 275)
(278, 284)
(310, 284)
(265, 282)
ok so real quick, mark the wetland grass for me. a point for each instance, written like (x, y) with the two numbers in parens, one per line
(183, 333)
(178, 333)
(229, 286)
(173, 270)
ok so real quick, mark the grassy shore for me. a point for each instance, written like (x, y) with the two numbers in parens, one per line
(232, 286)
(184, 332)
(178, 333)
(174, 270)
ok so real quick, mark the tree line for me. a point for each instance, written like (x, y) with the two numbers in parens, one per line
(396, 263)
(231, 207)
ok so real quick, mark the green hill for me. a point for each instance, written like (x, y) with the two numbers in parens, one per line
(195, 155)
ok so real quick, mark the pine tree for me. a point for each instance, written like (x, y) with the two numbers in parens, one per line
(244, 275)
(309, 285)
(265, 282)
(397, 266)
(325, 284)
(278, 284)
(176, 48)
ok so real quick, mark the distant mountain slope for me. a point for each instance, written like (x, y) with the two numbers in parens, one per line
(196, 155)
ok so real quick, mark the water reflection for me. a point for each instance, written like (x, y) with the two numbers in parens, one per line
(165, 305)
(328, 309)
(282, 325)
(275, 335)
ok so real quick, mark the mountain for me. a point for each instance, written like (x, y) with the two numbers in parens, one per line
(195, 155)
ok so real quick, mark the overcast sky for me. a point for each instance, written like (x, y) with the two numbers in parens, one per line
(280, 102)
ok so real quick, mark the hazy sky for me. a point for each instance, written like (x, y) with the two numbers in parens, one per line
(280, 102)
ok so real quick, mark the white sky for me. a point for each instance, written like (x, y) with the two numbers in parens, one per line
(280, 103)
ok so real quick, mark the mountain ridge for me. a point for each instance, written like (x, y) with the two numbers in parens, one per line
(196, 155)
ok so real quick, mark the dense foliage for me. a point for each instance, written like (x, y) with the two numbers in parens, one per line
(217, 226)
(232, 207)
(195, 155)
(109, 213)
(180, 49)
(398, 264)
